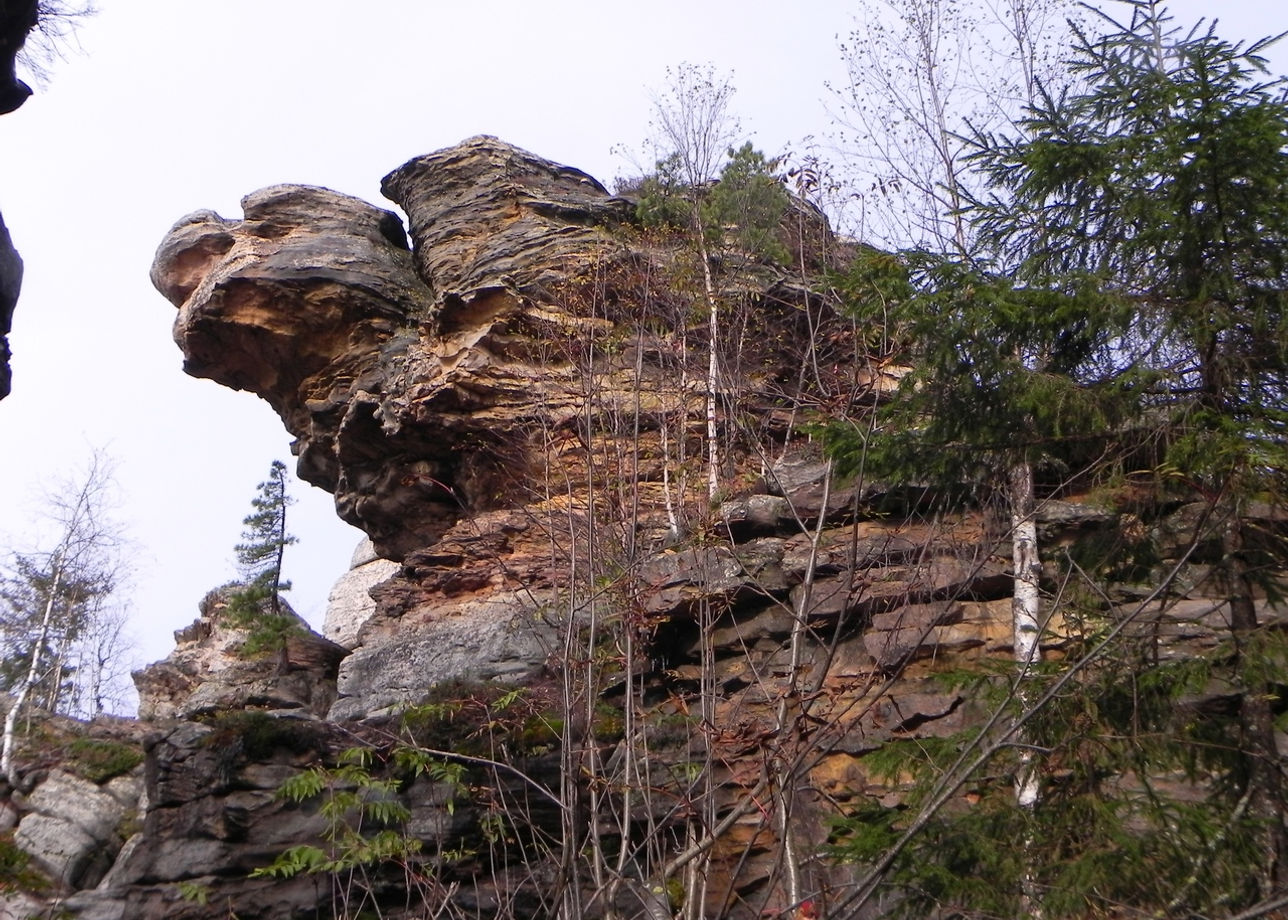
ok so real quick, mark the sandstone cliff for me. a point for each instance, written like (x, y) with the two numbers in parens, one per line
(632, 696)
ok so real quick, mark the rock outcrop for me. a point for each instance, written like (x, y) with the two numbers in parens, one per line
(350, 603)
(577, 648)
(17, 19)
(72, 827)
(423, 373)
(209, 671)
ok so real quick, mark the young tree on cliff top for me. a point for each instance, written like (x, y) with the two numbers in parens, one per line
(257, 604)
(265, 538)
(694, 131)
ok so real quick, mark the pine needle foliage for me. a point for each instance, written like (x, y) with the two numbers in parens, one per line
(742, 211)
(996, 371)
(1144, 805)
(1125, 306)
(1165, 177)
(257, 605)
(747, 205)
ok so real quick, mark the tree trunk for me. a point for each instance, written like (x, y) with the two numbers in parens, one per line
(1025, 607)
(1025, 626)
(713, 359)
(1256, 717)
(33, 674)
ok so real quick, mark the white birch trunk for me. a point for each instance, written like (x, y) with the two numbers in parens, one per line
(788, 717)
(1025, 607)
(713, 359)
(1026, 627)
(33, 674)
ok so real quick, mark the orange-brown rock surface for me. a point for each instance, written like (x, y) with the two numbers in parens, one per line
(512, 407)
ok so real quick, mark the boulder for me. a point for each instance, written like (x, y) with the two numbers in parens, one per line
(350, 603)
(71, 829)
(501, 638)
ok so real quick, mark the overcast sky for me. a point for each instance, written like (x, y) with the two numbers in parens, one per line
(170, 106)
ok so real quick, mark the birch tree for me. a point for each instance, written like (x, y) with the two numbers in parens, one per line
(1175, 193)
(50, 597)
(1132, 299)
(925, 75)
(693, 130)
(922, 75)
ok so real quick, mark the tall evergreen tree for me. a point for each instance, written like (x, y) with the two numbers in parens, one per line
(257, 604)
(1168, 178)
(1129, 294)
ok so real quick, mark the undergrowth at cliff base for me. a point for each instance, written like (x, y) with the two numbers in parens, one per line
(1145, 797)
(256, 735)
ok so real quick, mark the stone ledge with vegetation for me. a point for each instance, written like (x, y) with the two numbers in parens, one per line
(731, 568)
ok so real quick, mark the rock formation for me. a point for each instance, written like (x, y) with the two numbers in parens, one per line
(208, 672)
(594, 654)
(17, 19)
(10, 287)
(350, 603)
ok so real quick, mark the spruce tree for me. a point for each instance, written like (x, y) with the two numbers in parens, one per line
(1167, 176)
(257, 604)
(1125, 312)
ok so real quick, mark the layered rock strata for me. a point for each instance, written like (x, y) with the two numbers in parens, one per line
(512, 406)
(209, 670)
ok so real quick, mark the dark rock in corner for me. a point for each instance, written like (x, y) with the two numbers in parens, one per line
(10, 285)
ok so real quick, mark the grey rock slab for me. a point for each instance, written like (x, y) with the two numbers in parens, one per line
(113, 877)
(756, 515)
(18, 905)
(497, 639)
(77, 802)
(350, 603)
(60, 848)
(127, 790)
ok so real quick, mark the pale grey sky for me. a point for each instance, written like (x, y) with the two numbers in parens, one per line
(171, 106)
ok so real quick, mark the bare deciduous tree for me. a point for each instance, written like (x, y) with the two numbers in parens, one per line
(922, 75)
(52, 598)
(693, 129)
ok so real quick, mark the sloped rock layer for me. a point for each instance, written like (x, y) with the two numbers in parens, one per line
(210, 671)
(10, 286)
(512, 406)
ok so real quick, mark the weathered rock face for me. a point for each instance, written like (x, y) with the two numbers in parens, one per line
(208, 672)
(17, 19)
(407, 399)
(71, 830)
(513, 410)
(350, 603)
